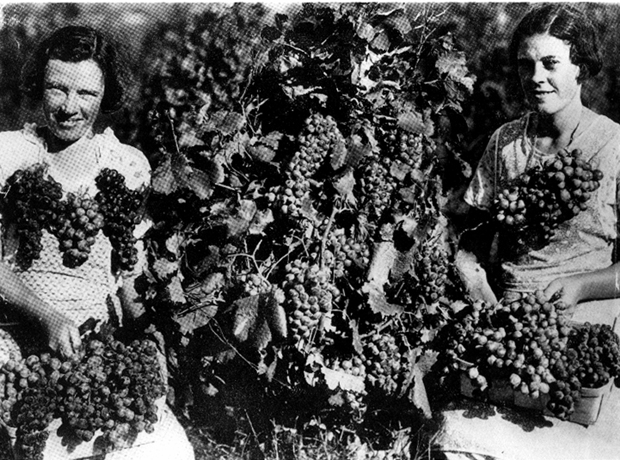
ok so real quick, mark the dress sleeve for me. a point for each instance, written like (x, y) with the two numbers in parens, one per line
(481, 191)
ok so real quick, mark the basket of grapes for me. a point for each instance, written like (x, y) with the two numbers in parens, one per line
(525, 353)
(545, 196)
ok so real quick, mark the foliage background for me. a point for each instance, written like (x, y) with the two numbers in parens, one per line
(155, 34)
(481, 30)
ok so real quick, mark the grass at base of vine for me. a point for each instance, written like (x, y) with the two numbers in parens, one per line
(288, 444)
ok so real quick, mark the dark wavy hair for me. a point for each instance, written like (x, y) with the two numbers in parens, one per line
(566, 23)
(76, 44)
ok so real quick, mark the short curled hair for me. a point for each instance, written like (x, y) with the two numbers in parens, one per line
(76, 44)
(566, 23)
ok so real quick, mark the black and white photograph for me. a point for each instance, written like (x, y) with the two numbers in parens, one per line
(309, 231)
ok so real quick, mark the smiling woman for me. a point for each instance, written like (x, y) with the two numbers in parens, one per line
(70, 249)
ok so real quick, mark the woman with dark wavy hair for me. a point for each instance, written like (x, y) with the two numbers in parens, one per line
(555, 50)
(74, 281)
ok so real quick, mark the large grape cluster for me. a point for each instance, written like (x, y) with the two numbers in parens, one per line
(31, 204)
(544, 197)
(376, 187)
(110, 387)
(344, 254)
(121, 208)
(309, 296)
(528, 342)
(431, 270)
(81, 221)
(318, 139)
(388, 366)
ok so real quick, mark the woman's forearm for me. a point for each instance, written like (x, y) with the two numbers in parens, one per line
(20, 297)
(598, 284)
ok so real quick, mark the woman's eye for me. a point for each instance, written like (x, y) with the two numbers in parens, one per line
(550, 63)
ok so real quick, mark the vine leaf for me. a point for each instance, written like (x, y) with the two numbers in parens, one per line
(239, 222)
(224, 122)
(163, 268)
(417, 394)
(344, 186)
(175, 292)
(246, 314)
(377, 301)
(338, 379)
(262, 218)
(163, 180)
(195, 319)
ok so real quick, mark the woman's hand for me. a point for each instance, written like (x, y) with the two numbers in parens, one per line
(568, 290)
(62, 334)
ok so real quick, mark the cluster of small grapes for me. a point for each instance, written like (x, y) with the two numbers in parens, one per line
(431, 270)
(121, 208)
(406, 147)
(109, 387)
(545, 197)
(344, 254)
(590, 360)
(309, 295)
(388, 366)
(81, 221)
(254, 284)
(31, 203)
(319, 137)
(529, 337)
(376, 187)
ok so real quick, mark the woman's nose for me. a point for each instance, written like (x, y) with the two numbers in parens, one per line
(539, 73)
(71, 103)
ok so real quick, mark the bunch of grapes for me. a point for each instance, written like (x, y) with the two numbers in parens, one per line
(404, 146)
(109, 387)
(431, 271)
(590, 359)
(388, 366)
(121, 209)
(345, 254)
(319, 138)
(309, 295)
(545, 197)
(31, 204)
(253, 284)
(77, 229)
(376, 187)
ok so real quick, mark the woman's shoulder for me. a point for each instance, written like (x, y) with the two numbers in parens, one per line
(124, 158)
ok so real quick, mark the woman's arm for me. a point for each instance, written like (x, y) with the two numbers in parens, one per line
(62, 333)
(595, 285)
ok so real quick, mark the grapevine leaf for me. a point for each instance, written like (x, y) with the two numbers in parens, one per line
(164, 268)
(275, 314)
(174, 244)
(344, 186)
(260, 335)
(338, 156)
(417, 394)
(175, 291)
(262, 219)
(195, 319)
(261, 152)
(200, 291)
(403, 263)
(239, 222)
(381, 42)
(342, 380)
(365, 31)
(377, 301)
(224, 122)
(399, 170)
(357, 151)
(163, 180)
(246, 314)
(397, 20)
(384, 255)
(336, 400)
(200, 183)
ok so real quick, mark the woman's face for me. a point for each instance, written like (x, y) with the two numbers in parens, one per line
(548, 77)
(72, 95)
